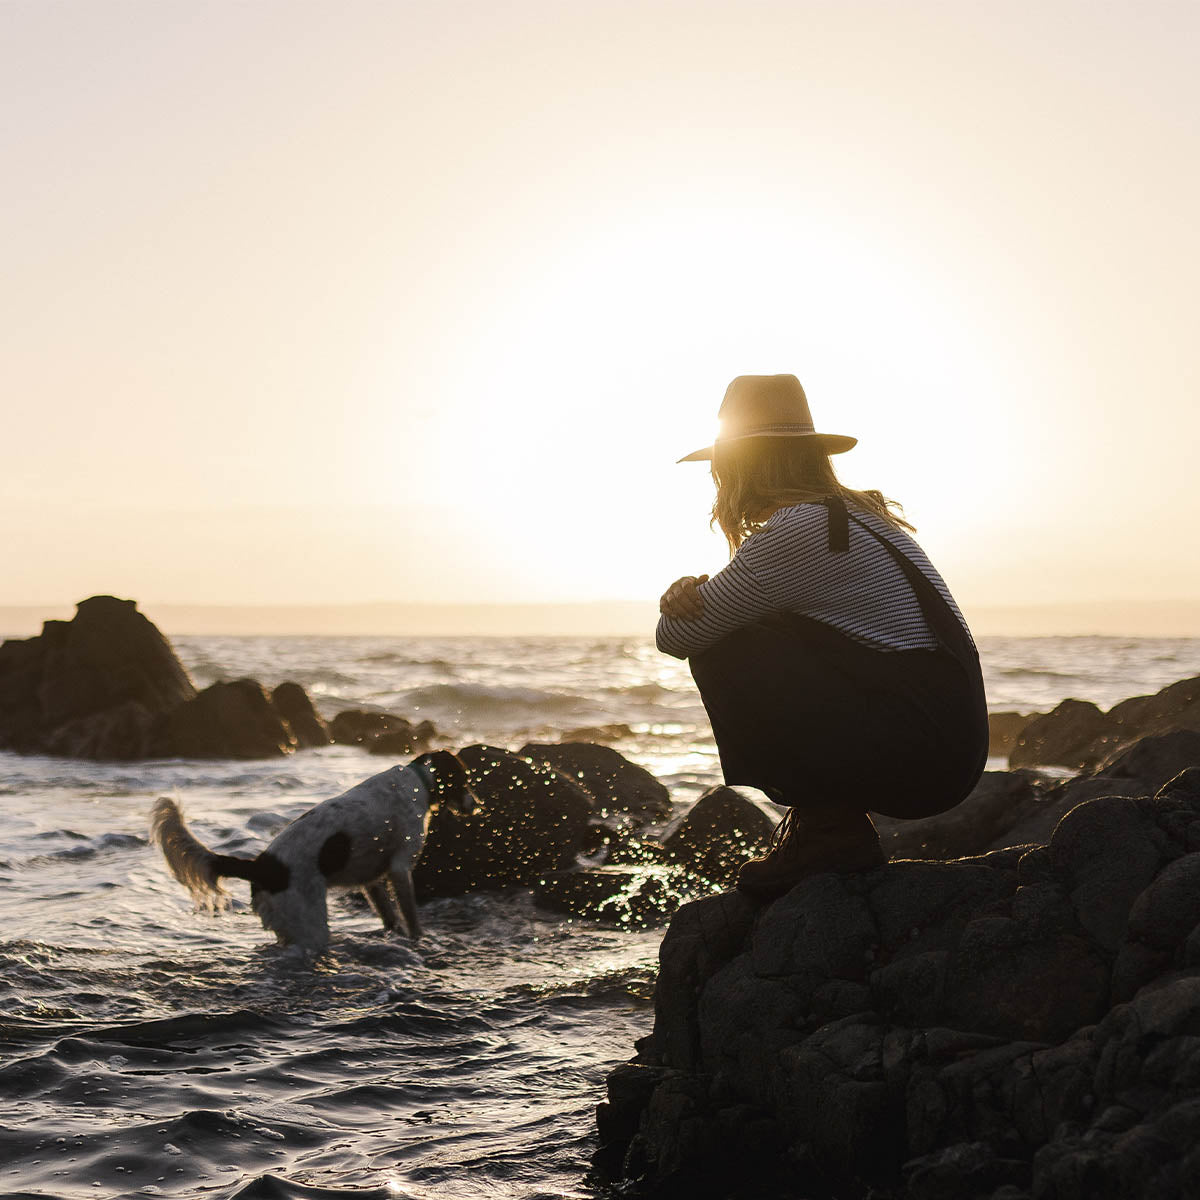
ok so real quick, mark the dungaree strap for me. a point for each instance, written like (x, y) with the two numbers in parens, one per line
(839, 526)
(946, 627)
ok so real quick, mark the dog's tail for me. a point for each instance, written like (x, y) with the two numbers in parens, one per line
(197, 867)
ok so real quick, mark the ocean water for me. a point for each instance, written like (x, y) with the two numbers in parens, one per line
(147, 1049)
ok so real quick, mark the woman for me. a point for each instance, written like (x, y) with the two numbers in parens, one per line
(836, 669)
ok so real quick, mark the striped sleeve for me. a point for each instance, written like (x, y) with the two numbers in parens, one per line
(733, 597)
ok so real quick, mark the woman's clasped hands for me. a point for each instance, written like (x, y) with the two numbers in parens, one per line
(681, 600)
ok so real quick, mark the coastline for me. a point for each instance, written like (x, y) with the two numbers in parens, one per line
(591, 920)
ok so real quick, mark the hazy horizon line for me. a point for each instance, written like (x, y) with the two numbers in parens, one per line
(624, 618)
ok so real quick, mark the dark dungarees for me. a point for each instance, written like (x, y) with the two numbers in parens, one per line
(809, 715)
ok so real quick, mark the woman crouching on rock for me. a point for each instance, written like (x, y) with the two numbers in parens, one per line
(835, 666)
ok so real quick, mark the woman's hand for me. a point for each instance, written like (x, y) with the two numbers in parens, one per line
(682, 600)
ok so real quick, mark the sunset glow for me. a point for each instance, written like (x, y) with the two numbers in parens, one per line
(336, 304)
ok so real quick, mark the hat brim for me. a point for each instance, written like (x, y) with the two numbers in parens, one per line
(830, 443)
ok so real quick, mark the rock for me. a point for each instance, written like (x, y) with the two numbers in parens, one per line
(703, 936)
(1075, 734)
(629, 1088)
(226, 720)
(1106, 852)
(943, 1029)
(1078, 735)
(292, 703)
(531, 820)
(91, 687)
(126, 732)
(964, 1169)
(717, 834)
(1008, 980)
(397, 744)
(1175, 707)
(1000, 802)
(1154, 760)
(1022, 806)
(362, 727)
(107, 685)
(602, 734)
(616, 784)
(632, 896)
(1004, 728)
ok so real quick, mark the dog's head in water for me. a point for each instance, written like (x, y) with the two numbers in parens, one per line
(448, 779)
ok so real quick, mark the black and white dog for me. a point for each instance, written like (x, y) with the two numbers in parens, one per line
(368, 837)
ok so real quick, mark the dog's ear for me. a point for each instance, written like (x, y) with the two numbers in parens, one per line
(449, 774)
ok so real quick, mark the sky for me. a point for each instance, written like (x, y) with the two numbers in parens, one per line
(354, 303)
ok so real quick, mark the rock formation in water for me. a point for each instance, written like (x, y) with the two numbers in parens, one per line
(1080, 736)
(617, 785)
(531, 819)
(107, 685)
(1020, 1024)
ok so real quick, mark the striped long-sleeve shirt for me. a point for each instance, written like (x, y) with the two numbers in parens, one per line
(787, 566)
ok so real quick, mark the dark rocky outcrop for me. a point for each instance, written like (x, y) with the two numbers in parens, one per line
(992, 816)
(717, 834)
(615, 784)
(647, 878)
(1019, 1024)
(531, 820)
(90, 687)
(107, 685)
(226, 720)
(635, 895)
(1003, 730)
(292, 703)
(1079, 736)
(380, 732)
(1075, 734)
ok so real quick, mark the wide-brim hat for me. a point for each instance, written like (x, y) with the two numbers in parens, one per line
(768, 406)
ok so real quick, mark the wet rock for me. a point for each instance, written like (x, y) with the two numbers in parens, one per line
(1023, 806)
(531, 820)
(1004, 728)
(717, 834)
(363, 727)
(403, 741)
(1000, 802)
(226, 720)
(1023, 1023)
(107, 685)
(631, 896)
(615, 784)
(90, 687)
(292, 703)
(1175, 707)
(125, 732)
(1075, 734)
(601, 734)
(629, 1088)
(1154, 760)
(1079, 736)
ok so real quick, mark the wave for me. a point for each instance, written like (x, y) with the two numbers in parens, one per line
(1033, 673)
(478, 699)
(391, 658)
(644, 691)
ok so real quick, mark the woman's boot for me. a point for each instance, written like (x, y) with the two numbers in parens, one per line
(811, 844)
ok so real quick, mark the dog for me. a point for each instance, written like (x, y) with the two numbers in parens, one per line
(369, 837)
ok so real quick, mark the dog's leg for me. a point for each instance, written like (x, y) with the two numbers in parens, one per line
(401, 877)
(379, 894)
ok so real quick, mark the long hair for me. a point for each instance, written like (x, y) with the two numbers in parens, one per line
(756, 475)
